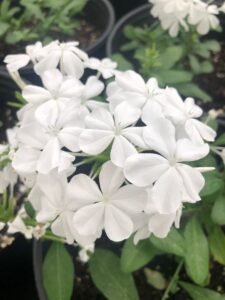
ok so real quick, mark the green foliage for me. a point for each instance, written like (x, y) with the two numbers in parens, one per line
(108, 277)
(134, 257)
(218, 210)
(173, 61)
(30, 20)
(123, 64)
(196, 252)
(58, 273)
(217, 244)
(199, 293)
(174, 243)
(155, 278)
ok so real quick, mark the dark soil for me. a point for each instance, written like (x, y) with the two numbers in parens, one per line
(214, 83)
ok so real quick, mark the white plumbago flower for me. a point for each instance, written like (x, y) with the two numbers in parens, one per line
(174, 181)
(57, 90)
(18, 226)
(204, 16)
(17, 61)
(130, 87)
(106, 67)
(57, 204)
(42, 140)
(175, 13)
(111, 208)
(183, 114)
(66, 55)
(104, 129)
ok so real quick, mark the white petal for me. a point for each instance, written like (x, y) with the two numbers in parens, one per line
(118, 226)
(95, 141)
(35, 94)
(47, 114)
(193, 182)
(100, 119)
(72, 65)
(130, 199)
(50, 157)
(121, 150)
(93, 87)
(48, 63)
(89, 220)
(144, 169)
(188, 151)
(135, 136)
(151, 110)
(69, 138)
(160, 224)
(25, 160)
(32, 135)
(132, 114)
(160, 136)
(82, 190)
(206, 132)
(167, 192)
(52, 80)
(110, 178)
(131, 81)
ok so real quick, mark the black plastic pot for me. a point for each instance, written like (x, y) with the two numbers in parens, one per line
(124, 6)
(98, 12)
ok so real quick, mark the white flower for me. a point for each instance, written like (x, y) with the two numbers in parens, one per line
(175, 182)
(67, 55)
(183, 114)
(8, 177)
(104, 129)
(57, 204)
(106, 67)
(131, 87)
(42, 141)
(110, 209)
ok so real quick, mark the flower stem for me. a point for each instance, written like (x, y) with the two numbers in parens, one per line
(172, 281)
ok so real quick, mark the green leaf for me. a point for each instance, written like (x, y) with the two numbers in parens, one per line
(123, 63)
(134, 257)
(174, 76)
(170, 57)
(109, 279)
(3, 28)
(199, 293)
(156, 279)
(220, 141)
(218, 211)
(213, 185)
(29, 209)
(206, 67)
(217, 244)
(213, 45)
(194, 63)
(58, 273)
(173, 243)
(192, 90)
(197, 252)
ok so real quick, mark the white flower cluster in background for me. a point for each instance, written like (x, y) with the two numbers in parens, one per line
(119, 165)
(174, 14)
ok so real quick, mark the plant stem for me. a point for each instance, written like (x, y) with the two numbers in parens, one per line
(173, 279)
(53, 238)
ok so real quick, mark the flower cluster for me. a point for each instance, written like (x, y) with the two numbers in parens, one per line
(122, 165)
(174, 14)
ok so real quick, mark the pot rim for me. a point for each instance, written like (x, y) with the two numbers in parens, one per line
(121, 23)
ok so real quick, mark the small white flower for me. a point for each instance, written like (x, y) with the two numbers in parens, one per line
(17, 225)
(106, 67)
(111, 208)
(104, 129)
(175, 182)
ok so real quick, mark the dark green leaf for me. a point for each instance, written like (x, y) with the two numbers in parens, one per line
(192, 90)
(214, 185)
(196, 252)
(174, 76)
(110, 280)
(3, 28)
(206, 67)
(213, 45)
(217, 244)
(194, 63)
(218, 211)
(220, 141)
(173, 243)
(58, 273)
(170, 57)
(136, 256)
(199, 293)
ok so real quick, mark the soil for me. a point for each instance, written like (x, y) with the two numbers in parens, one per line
(86, 34)
(214, 83)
